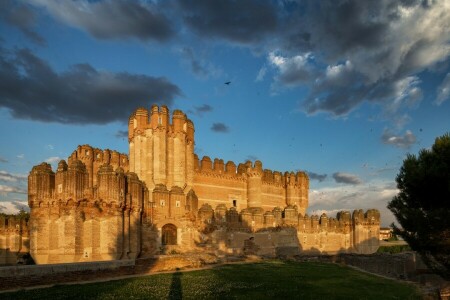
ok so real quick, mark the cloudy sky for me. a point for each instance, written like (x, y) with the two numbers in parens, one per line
(340, 89)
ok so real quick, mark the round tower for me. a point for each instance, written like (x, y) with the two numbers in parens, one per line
(254, 178)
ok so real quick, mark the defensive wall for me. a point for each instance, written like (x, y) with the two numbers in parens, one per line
(14, 240)
(103, 205)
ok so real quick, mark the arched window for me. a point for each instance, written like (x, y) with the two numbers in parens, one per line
(169, 235)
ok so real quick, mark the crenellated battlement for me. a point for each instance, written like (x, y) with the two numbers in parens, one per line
(256, 219)
(207, 166)
(13, 224)
(72, 182)
(158, 118)
(93, 158)
(104, 205)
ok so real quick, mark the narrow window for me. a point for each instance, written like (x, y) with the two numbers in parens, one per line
(163, 203)
(60, 188)
(234, 203)
(177, 203)
(159, 120)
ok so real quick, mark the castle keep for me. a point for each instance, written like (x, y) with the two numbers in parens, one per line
(103, 205)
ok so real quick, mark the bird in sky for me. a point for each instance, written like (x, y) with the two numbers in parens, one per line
(228, 82)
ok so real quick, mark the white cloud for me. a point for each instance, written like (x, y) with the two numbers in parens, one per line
(9, 177)
(21, 156)
(443, 91)
(53, 159)
(261, 74)
(406, 93)
(374, 194)
(13, 207)
(404, 141)
(292, 71)
(4, 189)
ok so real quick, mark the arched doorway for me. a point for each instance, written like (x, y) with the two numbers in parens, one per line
(169, 235)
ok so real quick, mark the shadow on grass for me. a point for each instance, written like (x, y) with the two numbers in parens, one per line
(176, 290)
(266, 280)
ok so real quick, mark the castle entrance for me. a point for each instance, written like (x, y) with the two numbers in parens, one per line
(169, 235)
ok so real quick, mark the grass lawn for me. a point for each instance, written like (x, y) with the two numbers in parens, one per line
(266, 280)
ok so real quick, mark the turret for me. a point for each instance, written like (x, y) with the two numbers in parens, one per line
(154, 116)
(178, 121)
(254, 182)
(111, 185)
(324, 222)
(41, 183)
(164, 112)
(190, 130)
(77, 180)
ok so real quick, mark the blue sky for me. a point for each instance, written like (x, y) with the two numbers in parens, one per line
(340, 89)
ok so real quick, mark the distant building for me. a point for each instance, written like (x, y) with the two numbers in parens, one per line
(385, 233)
(103, 205)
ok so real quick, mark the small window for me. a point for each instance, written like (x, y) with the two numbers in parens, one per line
(234, 203)
(159, 120)
(60, 188)
(162, 203)
(177, 203)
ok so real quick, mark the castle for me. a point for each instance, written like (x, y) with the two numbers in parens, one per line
(103, 205)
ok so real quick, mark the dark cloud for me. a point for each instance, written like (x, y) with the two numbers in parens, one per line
(30, 89)
(243, 22)
(315, 176)
(362, 52)
(346, 178)
(113, 19)
(121, 134)
(22, 17)
(220, 127)
(405, 141)
(3, 160)
(203, 108)
(200, 110)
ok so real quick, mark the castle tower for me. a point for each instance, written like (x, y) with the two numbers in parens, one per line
(162, 152)
(254, 176)
(41, 183)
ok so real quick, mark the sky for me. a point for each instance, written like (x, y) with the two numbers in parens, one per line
(342, 90)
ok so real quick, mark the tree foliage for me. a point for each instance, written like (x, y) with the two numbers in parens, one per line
(422, 207)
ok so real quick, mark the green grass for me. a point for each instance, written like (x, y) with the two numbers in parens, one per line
(394, 249)
(266, 280)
